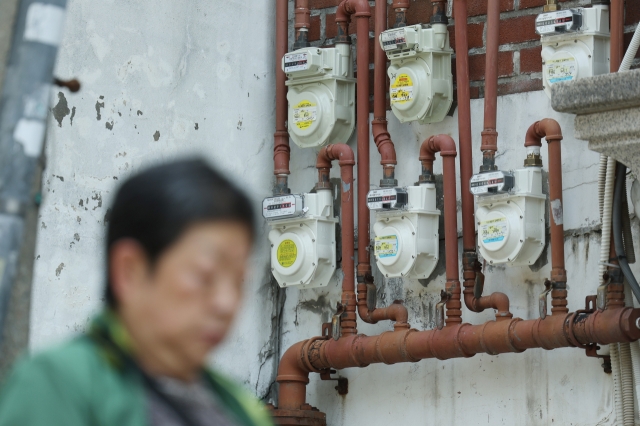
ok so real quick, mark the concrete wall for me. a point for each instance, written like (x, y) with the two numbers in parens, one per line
(161, 80)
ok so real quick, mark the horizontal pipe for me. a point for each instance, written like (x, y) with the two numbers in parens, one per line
(457, 341)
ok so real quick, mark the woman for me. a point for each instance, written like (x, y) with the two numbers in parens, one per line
(178, 243)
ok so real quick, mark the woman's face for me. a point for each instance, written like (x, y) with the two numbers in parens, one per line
(186, 303)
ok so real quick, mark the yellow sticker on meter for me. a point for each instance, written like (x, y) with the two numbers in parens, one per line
(401, 90)
(304, 114)
(287, 253)
(386, 246)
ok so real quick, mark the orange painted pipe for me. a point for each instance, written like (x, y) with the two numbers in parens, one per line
(344, 155)
(446, 146)
(456, 341)
(281, 149)
(489, 134)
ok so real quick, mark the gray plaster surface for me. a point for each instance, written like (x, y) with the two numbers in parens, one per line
(599, 93)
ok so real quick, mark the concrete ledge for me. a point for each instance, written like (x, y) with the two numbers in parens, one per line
(600, 93)
(608, 113)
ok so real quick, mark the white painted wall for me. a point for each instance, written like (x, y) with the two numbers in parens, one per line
(211, 63)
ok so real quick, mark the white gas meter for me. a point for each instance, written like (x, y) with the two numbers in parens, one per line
(406, 230)
(510, 215)
(303, 238)
(421, 83)
(321, 95)
(575, 44)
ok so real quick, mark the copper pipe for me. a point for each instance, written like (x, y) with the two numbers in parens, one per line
(281, 148)
(379, 125)
(489, 134)
(400, 7)
(302, 24)
(446, 146)
(360, 9)
(344, 154)
(457, 341)
(616, 10)
(550, 129)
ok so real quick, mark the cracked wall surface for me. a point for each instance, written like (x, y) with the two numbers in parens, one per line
(198, 77)
(160, 80)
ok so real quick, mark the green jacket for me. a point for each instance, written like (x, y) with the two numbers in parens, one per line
(85, 383)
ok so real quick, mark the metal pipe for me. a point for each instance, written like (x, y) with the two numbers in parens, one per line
(400, 7)
(344, 154)
(379, 125)
(302, 24)
(617, 34)
(446, 146)
(461, 340)
(281, 149)
(489, 134)
(550, 129)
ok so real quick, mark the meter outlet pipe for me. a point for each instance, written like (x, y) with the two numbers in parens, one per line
(281, 149)
(321, 354)
(400, 7)
(446, 146)
(344, 155)
(550, 129)
(498, 301)
(367, 309)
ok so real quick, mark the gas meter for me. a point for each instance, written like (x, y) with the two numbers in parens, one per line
(575, 44)
(406, 230)
(302, 236)
(421, 84)
(321, 95)
(510, 215)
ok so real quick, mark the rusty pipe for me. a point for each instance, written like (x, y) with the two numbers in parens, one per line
(616, 10)
(360, 9)
(446, 146)
(344, 155)
(551, 131)
(281, 149)
(489, 134)
(400, 7)
(461, 340)
(439, 12)
(379, 125)
(302, 24)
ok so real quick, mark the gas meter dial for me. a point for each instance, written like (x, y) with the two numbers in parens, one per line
(406, 241)
(421, 83)
(321, 95)
(303, 244)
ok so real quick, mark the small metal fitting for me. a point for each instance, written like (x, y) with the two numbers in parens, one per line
(533, 160)
(439, 18)
(323, 185)
(388, 183)
(551, 6)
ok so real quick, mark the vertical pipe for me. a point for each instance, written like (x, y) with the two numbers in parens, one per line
(364, 259)
(464, 124)
(281, 149)
(617, 34)
(489, 134)
(302, 24)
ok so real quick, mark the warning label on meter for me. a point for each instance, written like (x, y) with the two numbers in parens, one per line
(386, 246)
(401, 90)
(287, 253)
(561, 69)
(304, 114)
(494, 230)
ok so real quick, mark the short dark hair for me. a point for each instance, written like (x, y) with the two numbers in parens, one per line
(156, 206)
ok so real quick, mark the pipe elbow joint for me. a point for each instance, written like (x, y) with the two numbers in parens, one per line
(444, 144)
(358, 8)
(546, 128)
(340, 151)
